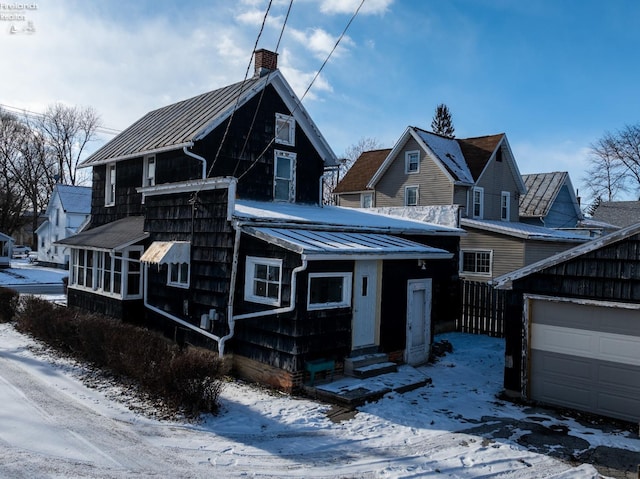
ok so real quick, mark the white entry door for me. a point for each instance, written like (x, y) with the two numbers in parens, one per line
(418, 321)
(365, 304)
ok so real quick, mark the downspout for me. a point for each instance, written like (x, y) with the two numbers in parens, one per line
(231, 319)
(199, 158)
(169, 315)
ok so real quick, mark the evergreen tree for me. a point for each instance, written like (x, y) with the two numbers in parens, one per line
(441, 123)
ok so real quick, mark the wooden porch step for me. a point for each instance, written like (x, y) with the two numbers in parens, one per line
(355, 362)
(375, 369)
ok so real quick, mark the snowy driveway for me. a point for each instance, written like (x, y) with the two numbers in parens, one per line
(52, 425)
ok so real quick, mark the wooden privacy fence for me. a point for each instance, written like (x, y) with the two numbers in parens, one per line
(482, 309)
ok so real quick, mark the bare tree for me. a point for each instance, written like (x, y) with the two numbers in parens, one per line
(441, 123)
(615, 163)
(67, 131)
(12, 196)
(351, 154)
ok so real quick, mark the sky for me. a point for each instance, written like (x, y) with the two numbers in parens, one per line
(555, 76)
(59, 419)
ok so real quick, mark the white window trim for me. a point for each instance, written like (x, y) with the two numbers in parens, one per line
(110, 185)
(94, 288)
(407, 162)
(145, 174)
(480, 190)
(476, 251)
(411, 187)
(250, 265)
(346, 291)
(178, 284)
(292, 178)
(291, 125)
(505, 196)
(362, 200)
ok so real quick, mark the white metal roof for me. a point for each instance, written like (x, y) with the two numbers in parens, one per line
(338, 245)
(524, 230)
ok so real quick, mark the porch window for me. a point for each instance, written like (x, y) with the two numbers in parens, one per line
(284, 186)
(411, 196)
(178, 275)
(412, 162)
(477, 262)
(329, 290)
(285, 130)
(478, 202)
(263, 280)
(107, 273)
(110, 185)
(505, 206)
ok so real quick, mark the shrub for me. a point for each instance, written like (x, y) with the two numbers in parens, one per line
(9, 299)
(187, 379)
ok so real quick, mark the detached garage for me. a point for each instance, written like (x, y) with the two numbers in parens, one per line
(573, 328)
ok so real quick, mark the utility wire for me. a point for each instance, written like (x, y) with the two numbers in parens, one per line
(299, 102)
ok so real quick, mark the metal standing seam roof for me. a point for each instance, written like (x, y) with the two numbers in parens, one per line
(163, 252)
(328, 244)
(111, 236)
(523, 230)
(173, 126)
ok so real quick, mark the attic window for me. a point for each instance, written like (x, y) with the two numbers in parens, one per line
(499, 154)
(412, 162)
(149, 178)
(110, 185)
(285, 130)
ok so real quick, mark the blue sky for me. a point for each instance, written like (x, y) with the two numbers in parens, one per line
(554, 75)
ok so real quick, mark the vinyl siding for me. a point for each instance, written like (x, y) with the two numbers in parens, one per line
(508, 252)
(350, 200)
(537, 250)
(496, 178)
(563, 212)
(435, 188)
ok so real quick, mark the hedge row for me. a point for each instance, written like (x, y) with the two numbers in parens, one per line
(8, 304)
(188, 379)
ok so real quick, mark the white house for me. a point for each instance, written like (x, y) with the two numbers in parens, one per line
(69, 207)
(6, 244)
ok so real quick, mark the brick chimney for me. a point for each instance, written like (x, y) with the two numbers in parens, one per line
(264, 62)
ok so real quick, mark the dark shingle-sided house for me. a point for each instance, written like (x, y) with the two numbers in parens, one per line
(573, 328)
(207, 222)
(477, 175)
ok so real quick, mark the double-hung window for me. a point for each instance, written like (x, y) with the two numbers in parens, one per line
(412, 162)
(263, 280)
(505, 206)
(329, 290)
(476, 262)
(411, 196)
(110, 185)
(478, 202)
(285, 130)
(284, 176)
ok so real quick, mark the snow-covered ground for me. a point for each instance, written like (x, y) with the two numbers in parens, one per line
(54, 425)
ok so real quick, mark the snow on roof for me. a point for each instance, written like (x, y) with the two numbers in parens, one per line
(523, 230)
(333, 217)
(449, 153)
(75, 199)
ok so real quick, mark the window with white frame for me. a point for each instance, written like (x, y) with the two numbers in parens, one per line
(178, 275)
(149, 173)
(329, 290)
(285, 130)
(505, 206)
(284, 175)
(116, 274)
(412, 162)
(110, 185)
(263, 280)
(478, 202)
(366, 200)
(411, 196)
(476, 262)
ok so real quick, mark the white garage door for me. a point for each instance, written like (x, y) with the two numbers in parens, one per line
(585, 355)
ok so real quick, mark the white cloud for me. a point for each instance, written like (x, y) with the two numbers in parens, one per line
(369, 7)
(300, 80)
(320, 42)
